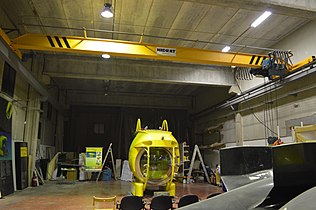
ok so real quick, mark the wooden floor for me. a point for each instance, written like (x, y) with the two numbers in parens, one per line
(78, 195)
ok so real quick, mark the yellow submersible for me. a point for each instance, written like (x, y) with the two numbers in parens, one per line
(153, 159)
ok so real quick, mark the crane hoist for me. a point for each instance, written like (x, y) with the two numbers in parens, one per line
(278, 64)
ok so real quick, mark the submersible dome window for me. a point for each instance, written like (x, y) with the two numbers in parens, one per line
(159, 165)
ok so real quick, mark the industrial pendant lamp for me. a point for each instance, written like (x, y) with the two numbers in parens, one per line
(107, 12)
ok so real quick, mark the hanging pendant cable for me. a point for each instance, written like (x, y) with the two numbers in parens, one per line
(258, 119)
(276, 105)
(277, 112)
(265, 113)
(271, 111)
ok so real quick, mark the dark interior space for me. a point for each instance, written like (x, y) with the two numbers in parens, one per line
(100, 126)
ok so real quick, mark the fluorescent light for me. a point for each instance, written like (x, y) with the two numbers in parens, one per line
(107, 12)
(106, 56)
(260, 19)
(226, 49)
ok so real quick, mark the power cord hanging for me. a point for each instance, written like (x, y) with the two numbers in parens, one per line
(276, 104)
(242, 73)
(265, 114)
(246, 102)
(270, 103)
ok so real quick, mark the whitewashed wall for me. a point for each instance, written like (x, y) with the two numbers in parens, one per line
(302, 42)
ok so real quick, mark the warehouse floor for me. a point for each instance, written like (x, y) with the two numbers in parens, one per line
(78, 195)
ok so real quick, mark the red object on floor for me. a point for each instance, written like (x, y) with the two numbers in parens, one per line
(34, 180)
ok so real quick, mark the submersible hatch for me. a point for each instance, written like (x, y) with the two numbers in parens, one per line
(153, 159)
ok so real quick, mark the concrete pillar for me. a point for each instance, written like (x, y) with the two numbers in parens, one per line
(31, 128)
(59, 135)
(239, 131)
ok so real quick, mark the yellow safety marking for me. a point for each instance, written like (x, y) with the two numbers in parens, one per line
(56, 41)
(257, 59)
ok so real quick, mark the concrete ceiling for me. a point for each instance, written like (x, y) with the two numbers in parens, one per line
(206, 24)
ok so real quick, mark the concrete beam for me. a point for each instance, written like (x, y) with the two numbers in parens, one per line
(308, 5)
(136, 71)
(130, 100)
(299, 8)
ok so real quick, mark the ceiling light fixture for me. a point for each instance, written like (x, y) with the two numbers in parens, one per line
(107, 12)
(226, 49)
(260, 19)
(105, 56)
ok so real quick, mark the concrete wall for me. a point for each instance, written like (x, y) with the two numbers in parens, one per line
(51, 132)
(26, 115)
(249, 84)
(225, 135)
(18, 114)
(288, 107)
(208, 97)
(302, 42)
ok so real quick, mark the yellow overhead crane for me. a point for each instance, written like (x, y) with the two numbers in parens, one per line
(88, 45)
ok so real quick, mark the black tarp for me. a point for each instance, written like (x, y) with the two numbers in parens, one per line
(119, 127)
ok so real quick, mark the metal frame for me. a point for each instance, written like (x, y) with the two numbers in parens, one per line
(299, 137)
(197, 150)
